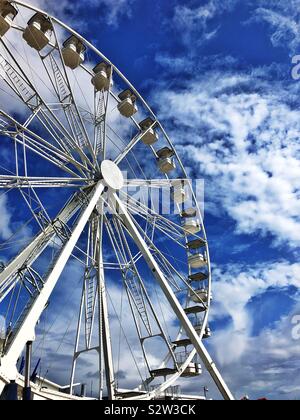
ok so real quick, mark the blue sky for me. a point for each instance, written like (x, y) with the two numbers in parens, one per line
(218, 74)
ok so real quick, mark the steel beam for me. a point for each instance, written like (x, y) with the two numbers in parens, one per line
(31, 252)
(104, 318)
(172, 299)
(27, 330)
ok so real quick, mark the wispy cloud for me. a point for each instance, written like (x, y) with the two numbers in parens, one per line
(111, 11)
(196, 24)
(283, 20)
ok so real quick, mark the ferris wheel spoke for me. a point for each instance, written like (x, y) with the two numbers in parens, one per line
(136, 139)
(58, 75)
(31, 252)
(30, 141)
(19, 83)
(101, 106)
(94, 306)
(177, 281)
(167, 226)
(147, 323)
(173, 275)
(10, 182)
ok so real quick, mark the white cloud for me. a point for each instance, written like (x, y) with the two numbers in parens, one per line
(242, 137)
(2, 327)
(5, 217)
(111, 10)
(263, 365)
(235, 286)
(189, 21)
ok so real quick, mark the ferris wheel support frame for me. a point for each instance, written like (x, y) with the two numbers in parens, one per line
(173, 301)
(27, 330)
(104, 336)
(103, 312)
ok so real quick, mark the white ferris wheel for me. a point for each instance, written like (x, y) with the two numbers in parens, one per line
(76, 139)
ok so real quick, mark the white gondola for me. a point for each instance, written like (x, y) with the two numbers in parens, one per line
(38, 32)
(179, 193)
(190, 223)
(73, 52)
(7, 15)
(166, 161)
(149, 134)
(196, 258)
(103, 77)
(127, 107)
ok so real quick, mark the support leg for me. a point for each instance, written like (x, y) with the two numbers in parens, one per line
(27, 387)
(175, 304)
(106, 338)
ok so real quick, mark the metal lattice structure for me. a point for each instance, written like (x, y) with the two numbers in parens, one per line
(71, 125)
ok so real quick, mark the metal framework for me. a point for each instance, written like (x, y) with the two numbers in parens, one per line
(69, 135)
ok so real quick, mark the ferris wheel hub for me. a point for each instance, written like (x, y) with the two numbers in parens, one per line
(111, 175)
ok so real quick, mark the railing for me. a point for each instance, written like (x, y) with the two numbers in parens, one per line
(173, 392)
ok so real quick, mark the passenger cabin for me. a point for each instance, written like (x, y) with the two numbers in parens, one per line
(165, 160)
(200, 296)
(127, 107)
(196, 259)
(207, 333)
(179, 193)
(190, 222)
(73, 52)
(7, 15)
(149, 135)
(194, 310)
(103, 77)
(194, 368)
(38, 32)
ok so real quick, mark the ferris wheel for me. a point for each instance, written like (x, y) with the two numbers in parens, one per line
(77, 140)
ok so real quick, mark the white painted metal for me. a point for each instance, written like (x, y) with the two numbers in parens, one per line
(27, 330)
(112, 176)
(103, 314)
(189, 329)
(30, 253)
